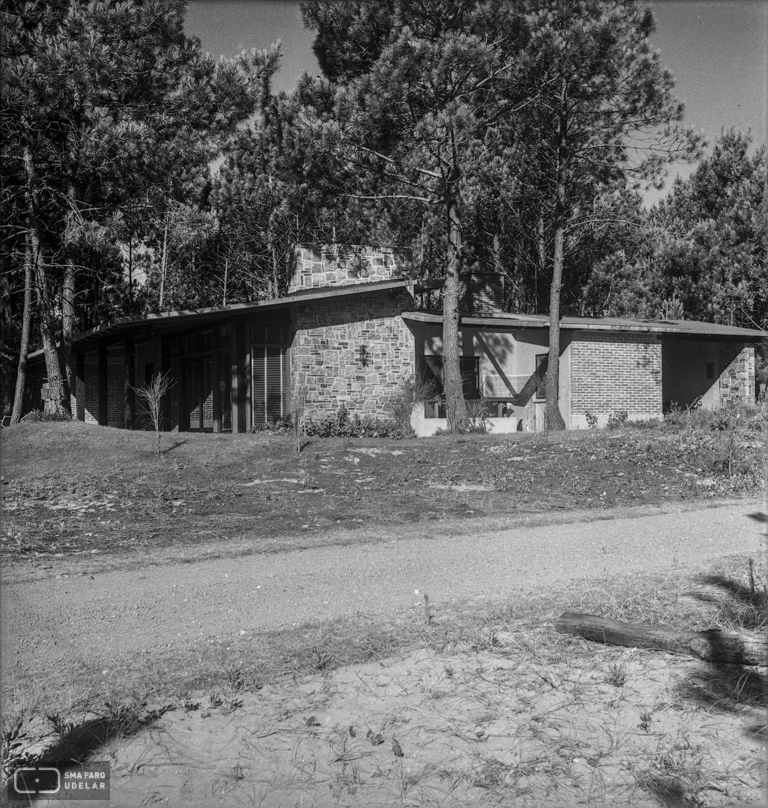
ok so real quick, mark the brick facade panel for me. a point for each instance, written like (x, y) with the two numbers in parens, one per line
(616, 372)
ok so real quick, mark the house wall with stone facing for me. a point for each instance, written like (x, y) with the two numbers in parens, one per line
(737, 373)
(315, 265)
(326, 358)
(613, 373)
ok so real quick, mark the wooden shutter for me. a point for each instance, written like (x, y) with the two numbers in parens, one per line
(268, 384)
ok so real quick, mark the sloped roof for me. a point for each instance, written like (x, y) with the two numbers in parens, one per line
(626, 324)
(166, 321)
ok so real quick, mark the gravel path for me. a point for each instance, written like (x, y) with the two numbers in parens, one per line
(96, 617)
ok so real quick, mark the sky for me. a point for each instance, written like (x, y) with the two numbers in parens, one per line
(716, 49)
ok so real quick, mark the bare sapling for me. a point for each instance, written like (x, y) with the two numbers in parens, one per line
(151, 401)
(298, 405)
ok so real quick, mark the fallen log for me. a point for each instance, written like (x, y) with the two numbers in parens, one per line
(712, 645)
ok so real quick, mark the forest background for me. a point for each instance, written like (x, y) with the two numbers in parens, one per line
(142, 175)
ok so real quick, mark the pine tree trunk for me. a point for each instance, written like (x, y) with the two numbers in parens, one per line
(541, 266)
(53, 404)
(68, 327)
(164, 263)
(56, 393)
(68, 289)
(456, 407)
(26, 324)
(554, 417)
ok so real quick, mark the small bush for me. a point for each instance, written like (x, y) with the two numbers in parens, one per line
(617, 419)
(646, 423)
(344, 425)
(39, 416)
(283, 426)
(748, 418)
(477, 409)
(413, 391)
(592, 419)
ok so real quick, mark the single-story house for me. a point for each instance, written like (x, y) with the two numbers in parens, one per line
(355, 325)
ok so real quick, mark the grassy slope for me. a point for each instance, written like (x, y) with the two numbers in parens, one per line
(71, 488)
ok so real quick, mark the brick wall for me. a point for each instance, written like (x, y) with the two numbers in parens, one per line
(317, 265)
(737, 373)
(615, 372)
(326, 354)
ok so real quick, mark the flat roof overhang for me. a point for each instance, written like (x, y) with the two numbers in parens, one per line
(618, 324)
(168, 322)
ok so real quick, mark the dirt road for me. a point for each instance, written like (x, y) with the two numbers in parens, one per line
(60, 620)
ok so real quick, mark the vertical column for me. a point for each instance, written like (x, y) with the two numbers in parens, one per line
(216, 388)
(248, 388)
(233, 365)
(102, 384)
(80, 388)
(165, 404)
(239, 380)
(183, 396)
(129, 364)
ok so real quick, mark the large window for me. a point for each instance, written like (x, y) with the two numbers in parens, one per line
(432, 371)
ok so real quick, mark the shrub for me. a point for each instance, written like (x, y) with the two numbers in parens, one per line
(477, 409)
(151, 399)
(343, 425)
(591, 419)
(617, 419)
(746, 417)
(38, 416)
(413, 391)
(283, 426)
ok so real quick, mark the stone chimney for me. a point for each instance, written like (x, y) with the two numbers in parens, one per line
(316, 266)
(481, 293)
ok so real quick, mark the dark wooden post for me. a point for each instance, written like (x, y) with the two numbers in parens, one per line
(80, 388)
(129, 363)
(183, 399)
(102, 384)
(216, 385)
(165, 405)
(233, 365)
(240, 382)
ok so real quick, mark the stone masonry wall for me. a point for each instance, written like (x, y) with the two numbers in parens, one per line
(317, 265)
(737, 373)
(327, 360)
(612, 373)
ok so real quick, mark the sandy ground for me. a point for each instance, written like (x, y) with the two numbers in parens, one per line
(506, 721)
(509, 726)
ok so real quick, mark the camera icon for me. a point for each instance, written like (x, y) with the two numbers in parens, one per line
(33, 780)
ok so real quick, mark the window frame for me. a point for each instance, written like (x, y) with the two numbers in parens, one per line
(540, 391)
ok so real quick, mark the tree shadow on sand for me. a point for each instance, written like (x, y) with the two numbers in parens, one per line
(77, 744)
(741, 607)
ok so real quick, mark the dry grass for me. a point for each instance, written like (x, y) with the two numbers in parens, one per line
(73, 489)
(487, 703)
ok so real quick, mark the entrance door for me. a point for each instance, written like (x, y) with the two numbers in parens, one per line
(199, 394)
